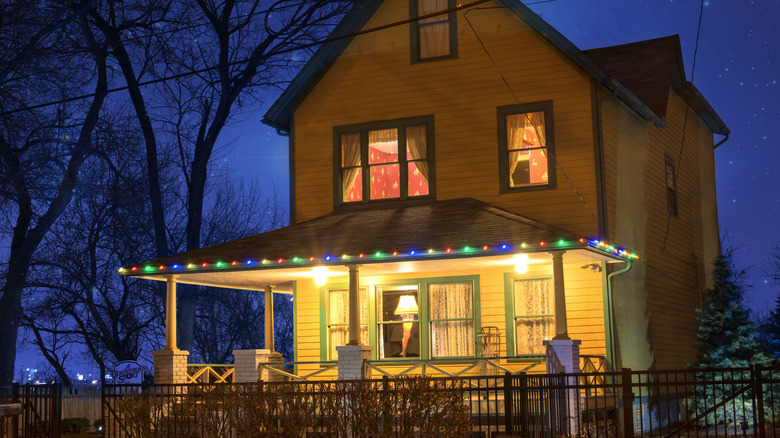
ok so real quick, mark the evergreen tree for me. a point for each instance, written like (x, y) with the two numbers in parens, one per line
(771, 330)
(727, 337)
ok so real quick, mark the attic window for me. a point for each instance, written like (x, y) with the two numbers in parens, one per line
(435, 37)
(384, 160)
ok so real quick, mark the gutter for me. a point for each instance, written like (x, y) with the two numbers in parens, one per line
(610, 312)
(725, 139)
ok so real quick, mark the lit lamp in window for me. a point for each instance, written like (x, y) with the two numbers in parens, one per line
(407, 309)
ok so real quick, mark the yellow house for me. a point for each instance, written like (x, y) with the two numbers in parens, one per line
(461, 177)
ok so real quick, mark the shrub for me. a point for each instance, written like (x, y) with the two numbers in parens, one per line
(74, 425)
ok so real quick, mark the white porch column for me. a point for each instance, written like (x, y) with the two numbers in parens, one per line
(170, 313)
(269, 319)
(170, 364)
(561, 328)
(354, 305)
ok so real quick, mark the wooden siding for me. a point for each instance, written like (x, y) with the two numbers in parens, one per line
(584, 301)
(656, 302)
(374, 80)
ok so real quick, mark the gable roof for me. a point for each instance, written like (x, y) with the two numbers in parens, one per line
(466, 227)
(279, 115)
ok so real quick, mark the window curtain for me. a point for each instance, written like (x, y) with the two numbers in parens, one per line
(338, 313)
(523, 131)
(435, 31)
(350, 158)
(451, 302)
(416, 144)
(533, 307)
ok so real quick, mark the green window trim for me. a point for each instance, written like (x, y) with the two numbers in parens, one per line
(414, 34)
(503, 112)
(364, 165)
(423, 320)
(509, 303)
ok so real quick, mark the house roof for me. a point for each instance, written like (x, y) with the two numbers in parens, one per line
(649, 69)
(279, 114)
(409, 231)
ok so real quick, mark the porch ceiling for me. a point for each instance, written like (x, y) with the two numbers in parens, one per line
(414, 236)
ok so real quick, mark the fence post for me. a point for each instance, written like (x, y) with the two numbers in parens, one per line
(508, 403)
(523, 399)
(15, 421)
(56, 409)
(758, 394)
(628, 404)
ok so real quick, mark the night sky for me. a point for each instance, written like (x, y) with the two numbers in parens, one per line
(735, 70)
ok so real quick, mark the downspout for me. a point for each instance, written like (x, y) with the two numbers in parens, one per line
(611, 311)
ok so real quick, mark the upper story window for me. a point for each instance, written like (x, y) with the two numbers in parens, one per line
(525, 137)
(671, 186)
(434, 37)
(384, 160)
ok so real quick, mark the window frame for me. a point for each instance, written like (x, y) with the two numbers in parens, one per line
(503, 147)
(672, 195)
(403, 163)
(424, 317)
(325, 317)
(414, 34)
(509, 303)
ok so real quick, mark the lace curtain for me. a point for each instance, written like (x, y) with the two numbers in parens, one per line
(534, 314)
(338, 314)
(453, 333)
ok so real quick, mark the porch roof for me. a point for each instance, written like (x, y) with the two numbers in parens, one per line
(398, 232)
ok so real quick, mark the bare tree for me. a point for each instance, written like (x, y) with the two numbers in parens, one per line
(223, 56)
(77, 295)
(48, 50)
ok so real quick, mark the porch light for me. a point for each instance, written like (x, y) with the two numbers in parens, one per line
(407, 309)
(521, 263)
(320, 275)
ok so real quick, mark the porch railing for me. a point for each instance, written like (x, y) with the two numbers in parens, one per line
(286, 370)
(210, 373)
(459, 367)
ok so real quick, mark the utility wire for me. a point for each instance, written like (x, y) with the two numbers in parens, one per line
(685, 126)
(514, 96)
(234, 63)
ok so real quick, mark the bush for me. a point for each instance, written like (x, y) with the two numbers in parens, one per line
(74, 425)
(408, 407)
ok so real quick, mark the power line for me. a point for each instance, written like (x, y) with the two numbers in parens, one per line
(514, 96)
(685, 124)
(234, 63)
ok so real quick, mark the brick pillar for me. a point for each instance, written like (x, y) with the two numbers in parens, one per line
(563, 356)
(170, 366)
(351, 358)
(248, 368)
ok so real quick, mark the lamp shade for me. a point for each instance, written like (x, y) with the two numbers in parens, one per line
(407, 305)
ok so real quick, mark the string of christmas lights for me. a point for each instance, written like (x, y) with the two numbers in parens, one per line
(466, 250)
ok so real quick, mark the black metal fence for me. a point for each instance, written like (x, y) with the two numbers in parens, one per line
(41, 411)
(678, 403)
(738, 402)
(675, 403)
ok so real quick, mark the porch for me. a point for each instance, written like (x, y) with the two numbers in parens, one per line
(412, 289)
